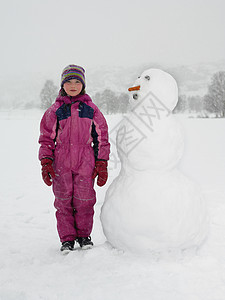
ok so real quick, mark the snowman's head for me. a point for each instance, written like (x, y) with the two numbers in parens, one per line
(157, 82)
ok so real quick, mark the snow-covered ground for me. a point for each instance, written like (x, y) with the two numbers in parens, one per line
(31, 264)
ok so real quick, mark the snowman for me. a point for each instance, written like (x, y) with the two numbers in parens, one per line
(151, 206)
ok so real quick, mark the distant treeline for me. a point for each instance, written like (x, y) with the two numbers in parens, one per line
(210, 105)
(107, 101)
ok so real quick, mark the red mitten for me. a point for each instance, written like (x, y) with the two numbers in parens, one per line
(100, 170)
(47, 171)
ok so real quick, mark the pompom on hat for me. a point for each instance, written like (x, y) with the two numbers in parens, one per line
(73, 72)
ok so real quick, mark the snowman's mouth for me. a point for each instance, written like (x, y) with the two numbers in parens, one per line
(135, 96)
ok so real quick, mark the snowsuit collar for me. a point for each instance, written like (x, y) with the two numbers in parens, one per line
(70, 100)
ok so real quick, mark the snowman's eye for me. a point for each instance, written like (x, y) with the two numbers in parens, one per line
(147, 77)
(139, 77)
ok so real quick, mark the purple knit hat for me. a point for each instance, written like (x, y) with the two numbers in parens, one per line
(73, 72)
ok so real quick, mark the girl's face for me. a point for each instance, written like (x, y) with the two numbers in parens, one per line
(73, 87)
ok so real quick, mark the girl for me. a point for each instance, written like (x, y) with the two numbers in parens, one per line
(74, 150)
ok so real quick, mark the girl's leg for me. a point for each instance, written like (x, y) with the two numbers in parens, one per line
(63, 190)
(84, 199)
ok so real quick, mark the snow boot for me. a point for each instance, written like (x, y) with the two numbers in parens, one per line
(85, 242)
(67, 246)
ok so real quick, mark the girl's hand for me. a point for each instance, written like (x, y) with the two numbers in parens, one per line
(47, 171)
(100, 170)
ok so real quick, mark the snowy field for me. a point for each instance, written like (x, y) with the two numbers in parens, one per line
(31, 264)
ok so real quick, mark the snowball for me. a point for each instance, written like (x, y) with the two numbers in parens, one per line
(154, 211)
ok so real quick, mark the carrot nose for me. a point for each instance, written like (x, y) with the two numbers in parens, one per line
(134, 88)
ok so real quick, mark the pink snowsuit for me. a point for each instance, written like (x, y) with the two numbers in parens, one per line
(74, 134)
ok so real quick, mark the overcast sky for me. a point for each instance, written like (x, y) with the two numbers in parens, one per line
(44, 35)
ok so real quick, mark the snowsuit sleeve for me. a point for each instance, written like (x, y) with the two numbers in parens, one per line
(47, 134)
(101, 144)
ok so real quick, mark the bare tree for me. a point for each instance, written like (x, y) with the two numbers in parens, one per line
(48, 94)
(214, 100)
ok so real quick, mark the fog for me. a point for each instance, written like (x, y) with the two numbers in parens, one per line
(43, 36)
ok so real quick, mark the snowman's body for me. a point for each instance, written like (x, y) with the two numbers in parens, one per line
(151, 205)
